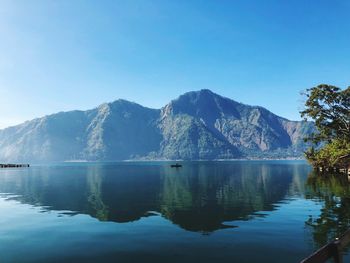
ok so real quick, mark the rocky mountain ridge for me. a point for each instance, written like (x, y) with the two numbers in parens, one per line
(197, 125)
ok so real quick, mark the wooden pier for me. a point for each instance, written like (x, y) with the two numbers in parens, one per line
(335, 170)
(12, 165)
(332, 250)
(343, 166)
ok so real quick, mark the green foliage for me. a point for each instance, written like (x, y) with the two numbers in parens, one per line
(330, 155)
(329, 107)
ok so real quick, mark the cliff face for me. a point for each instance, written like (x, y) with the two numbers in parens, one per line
(197, 125)
(246, 130)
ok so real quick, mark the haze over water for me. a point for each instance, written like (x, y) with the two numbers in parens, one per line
(241, 211)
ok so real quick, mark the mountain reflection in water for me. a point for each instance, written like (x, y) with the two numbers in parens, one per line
(201, 197)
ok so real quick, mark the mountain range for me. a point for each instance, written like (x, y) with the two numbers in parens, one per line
(198, 125)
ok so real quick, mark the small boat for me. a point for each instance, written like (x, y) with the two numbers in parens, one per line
(177, 165)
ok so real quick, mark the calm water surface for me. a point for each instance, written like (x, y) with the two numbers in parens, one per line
(242, 211)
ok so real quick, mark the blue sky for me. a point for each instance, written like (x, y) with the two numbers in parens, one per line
(65, 55)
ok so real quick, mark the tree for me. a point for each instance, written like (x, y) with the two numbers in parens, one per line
(329, 107)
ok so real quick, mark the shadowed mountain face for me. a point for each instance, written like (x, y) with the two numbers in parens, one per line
(201, 197)
(197, 125)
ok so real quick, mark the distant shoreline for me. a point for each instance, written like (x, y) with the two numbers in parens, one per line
(181, 160)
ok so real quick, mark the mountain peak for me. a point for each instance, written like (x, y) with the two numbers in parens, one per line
(203, 103)
(204, 93)
(197, 125)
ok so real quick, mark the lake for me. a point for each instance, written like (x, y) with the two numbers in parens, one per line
(237, 211)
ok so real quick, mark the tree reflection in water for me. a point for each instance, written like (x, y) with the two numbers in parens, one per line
(334, 192)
